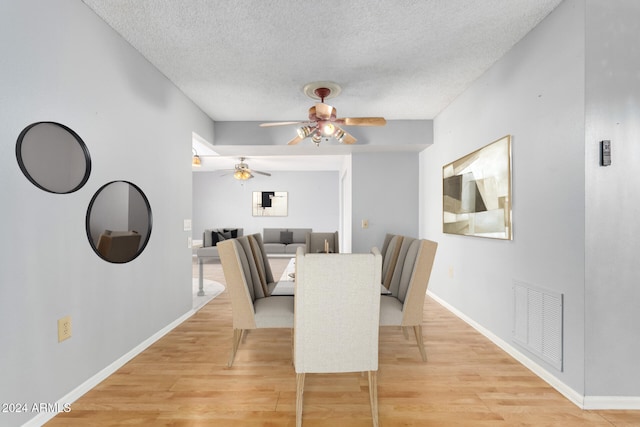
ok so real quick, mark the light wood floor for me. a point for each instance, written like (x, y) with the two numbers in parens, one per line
(183, 380)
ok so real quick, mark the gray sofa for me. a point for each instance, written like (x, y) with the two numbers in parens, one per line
(284, 241)
(209, 249)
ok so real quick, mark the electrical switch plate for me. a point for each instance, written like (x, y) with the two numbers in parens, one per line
(365, 223)
(64, 328)
(187, 225)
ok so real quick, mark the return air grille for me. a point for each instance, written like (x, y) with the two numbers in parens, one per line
(538, 322)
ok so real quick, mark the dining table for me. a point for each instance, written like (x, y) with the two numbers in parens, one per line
(286, 284)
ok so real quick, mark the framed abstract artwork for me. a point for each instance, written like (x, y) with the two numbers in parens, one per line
(476, 192)
(269, 203)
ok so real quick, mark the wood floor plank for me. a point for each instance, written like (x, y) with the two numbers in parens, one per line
(183, 380)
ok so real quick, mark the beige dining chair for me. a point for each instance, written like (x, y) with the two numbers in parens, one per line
(408, 286)
(337, 309)
(251, 305)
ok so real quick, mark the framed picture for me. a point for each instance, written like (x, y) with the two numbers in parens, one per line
(269, 203)
(476, 191)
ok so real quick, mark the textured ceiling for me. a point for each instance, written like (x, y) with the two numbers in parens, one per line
(249, 60)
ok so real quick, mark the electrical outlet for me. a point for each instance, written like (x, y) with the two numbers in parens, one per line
(365, 223)
(64, 328)
(451, 272)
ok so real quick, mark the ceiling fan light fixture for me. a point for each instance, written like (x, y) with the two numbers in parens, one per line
(305, 131)
(242, 175)
(316, 138)
(328, 129)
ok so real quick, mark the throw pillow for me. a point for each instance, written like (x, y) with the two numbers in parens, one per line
(286, 237)
(214, 238)
(233, 231)
(222, 236)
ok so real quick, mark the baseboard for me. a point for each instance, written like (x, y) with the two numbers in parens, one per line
(75, 394)
(575, 397)
(612, 402)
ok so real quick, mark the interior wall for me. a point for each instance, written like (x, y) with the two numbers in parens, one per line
(222, 201)
(385, 194)
(62, 63)
(612, 199)
(536, 94)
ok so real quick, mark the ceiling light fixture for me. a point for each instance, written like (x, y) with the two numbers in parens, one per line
(305, 131)
(195, 160)
(242, 175)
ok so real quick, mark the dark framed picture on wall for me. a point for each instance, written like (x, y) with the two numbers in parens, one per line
(476, 191)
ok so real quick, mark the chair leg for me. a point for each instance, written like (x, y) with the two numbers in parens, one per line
(373, 396)
(417, 329)
(405, 332)
(237, 336)
(299, 392)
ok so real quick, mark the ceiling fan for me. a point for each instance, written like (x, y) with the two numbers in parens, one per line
(323, 121)
(242, 171)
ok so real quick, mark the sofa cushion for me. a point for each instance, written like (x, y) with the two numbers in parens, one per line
(300, 234)
(274, 248)
(207, 252)
(293, 247)
(271, 235)
(286, 237)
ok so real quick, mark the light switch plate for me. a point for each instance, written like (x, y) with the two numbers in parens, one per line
(187, 225)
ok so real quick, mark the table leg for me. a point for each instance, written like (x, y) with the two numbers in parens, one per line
(200, 281)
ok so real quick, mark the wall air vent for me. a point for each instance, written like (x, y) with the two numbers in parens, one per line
(538, 322)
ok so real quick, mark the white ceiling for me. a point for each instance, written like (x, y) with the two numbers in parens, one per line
(249, 60)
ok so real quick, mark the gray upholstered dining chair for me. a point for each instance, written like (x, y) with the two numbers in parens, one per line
(390, 252)
(337, 309)
(251, 305)
(408, 286)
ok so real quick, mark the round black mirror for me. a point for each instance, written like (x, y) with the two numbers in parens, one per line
(119, 221)
(53, 157)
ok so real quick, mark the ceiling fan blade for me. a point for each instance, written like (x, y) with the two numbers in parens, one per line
(260, 172)
(363, 121)
(348, 139)
(264, 125)
(325, 112)
(295, 140)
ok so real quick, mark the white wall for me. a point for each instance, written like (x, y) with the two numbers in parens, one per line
(612, 342)
(222, 201)
(60, 62)
(536, 94)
